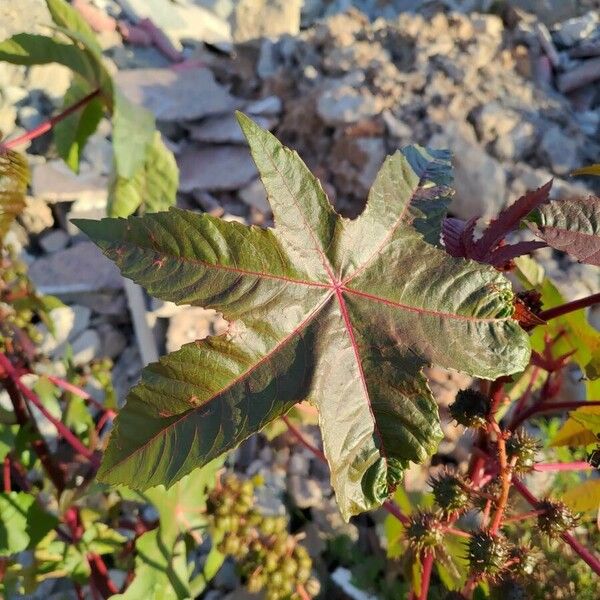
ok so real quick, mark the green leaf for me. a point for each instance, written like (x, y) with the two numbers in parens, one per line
(71, 134)
(589, 417)
(67, 17)
(154, 185)
(32, 49)
(133, 132)
(571, 225)
(22, 522)
(14, 178)
(584, 497)
(342, 313)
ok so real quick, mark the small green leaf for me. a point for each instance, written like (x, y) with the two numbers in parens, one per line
(584, 497)
(67, 17)
(589, 417)
(71, 134)
(342, 313)
(154, 185)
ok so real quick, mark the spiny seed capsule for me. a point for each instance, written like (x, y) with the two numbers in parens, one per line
(526, 560)
(450, 492)
(488, 553)
(522, 447)
(424, 531)
(556, 519)
(470, 408)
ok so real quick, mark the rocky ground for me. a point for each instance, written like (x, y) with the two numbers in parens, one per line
(515, 95)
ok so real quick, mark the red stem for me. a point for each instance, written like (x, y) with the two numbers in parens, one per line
(550, 407)
(100, 576)
(67, 386)
(523, 516)
(426, 575)
(563, 309)
(62, 429)
(591, 559)
(49, 124)
(6, 474)
(571, 466)
(300, 437)
(396, 512)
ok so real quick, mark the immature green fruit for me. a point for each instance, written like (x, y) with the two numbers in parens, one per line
(523, 447)
(450, 492)
(488, 553)
(470, 408)
(424, 531)
(556, 519)
(526, 558)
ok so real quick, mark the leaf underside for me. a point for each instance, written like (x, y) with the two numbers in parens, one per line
(342, 313)
(14, 176)
(572, 226)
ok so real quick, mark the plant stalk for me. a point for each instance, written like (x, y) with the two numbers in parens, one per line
(546, 407)
(426, 575)
(563, 309)
(49, 124)
(570, 466)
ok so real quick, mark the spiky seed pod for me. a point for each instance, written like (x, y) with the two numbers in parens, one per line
(487, 553)
(450, 492)
(490, 490)
(424, 531)
(470, 408)
(523, 447)
(526, 558)
(556, 519)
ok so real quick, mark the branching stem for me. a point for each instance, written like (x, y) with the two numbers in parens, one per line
(563, 309)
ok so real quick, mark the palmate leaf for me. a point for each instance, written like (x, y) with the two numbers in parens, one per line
(572, 226)
(14, 177)
(342, 313)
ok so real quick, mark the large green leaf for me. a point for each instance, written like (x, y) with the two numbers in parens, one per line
(571, 225)
(343, 313)
(153, 186)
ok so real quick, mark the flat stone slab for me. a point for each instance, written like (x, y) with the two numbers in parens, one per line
(221, 168)
(79, 269)
(177, 95)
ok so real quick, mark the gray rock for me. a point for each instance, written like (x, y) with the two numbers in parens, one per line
(396, 127)
(8, 118)
(225, 129)
(85, 347)
(76, 270)
(480, 180)
(559, 150)
(193, 324)
(54, 240)
(183, 19)
(255, 19)
(517, 143)
(344, 104)
(572, 31)
(69, 322)
(29, 117)
(493, 121)
(254, 195)
(214, 169)
(53, 79)
(112, 341)
(177, 95)
(527, 178)
(271, 105)
(55, 182)
(36, 216)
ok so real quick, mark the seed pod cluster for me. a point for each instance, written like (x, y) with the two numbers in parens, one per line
(470, 408)
(522, 447)
(488, 553)
(268, 557)
(450, 492)
(424, 531)
(556, 519)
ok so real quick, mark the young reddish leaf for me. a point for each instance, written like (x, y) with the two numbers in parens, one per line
(457, 236)
(509, 218)
(342, 313)
(572, 226)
